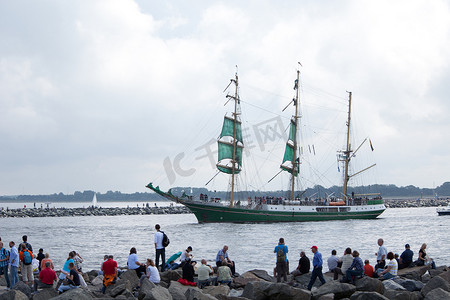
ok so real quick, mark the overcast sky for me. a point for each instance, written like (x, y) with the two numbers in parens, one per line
(110, 95)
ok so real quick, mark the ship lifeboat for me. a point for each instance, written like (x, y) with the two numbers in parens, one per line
(338, 203)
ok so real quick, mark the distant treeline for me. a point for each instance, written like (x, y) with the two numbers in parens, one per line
(387, 191)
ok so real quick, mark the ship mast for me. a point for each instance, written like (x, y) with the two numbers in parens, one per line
(348, 150)
(296, 117)
(234, 139)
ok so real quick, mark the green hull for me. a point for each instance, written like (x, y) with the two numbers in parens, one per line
(206, 213)
(218, 214)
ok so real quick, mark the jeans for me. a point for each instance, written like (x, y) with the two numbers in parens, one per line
(281, 271)
(14, 276)
(350, 273)
(63, 287)
(5, 272)
(317, 272)
(162, 253)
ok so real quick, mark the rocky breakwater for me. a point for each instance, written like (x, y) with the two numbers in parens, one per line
(91, 211)
(404, 203)
(414, 283)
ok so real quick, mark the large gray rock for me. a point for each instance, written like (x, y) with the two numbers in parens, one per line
(327, 297)
(285, 291)
(303, 280)
(130, 276)
(3, 281)
(223, 297)
(216, 290)
(361, 295)
(255, 290)
(434, 283)
(409, 284)
(170, 275)
(75, 294)
(437, 294)
(145, 289)
(392, 285)
(158, 293)
(45, 294)
(413, 273)
(445, 275)
(369, 284)
(262, 274)
(13, 295)
(402, 295)
(118, 289)
(177, 290)
(196, 294)
(340, 290)
(24, 288)
(97, 281)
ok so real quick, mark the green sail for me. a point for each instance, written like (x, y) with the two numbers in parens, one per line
(289, 159)
(225, 143)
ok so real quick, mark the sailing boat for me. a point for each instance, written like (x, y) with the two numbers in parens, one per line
(269, 209)
(94, 200)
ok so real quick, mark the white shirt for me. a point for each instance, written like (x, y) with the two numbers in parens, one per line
(158, 240)
(153, 274)
(332, 262)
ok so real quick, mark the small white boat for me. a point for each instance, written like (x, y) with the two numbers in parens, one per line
(442, 211)
(94, 200)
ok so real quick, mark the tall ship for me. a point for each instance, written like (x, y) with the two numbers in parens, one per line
(292, 208)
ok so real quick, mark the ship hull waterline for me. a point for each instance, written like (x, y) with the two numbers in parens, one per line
(208, 213)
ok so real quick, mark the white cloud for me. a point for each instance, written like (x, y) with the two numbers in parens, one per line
(126, 84)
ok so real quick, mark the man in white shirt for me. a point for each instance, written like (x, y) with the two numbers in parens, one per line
(160, 250)
(332, 261)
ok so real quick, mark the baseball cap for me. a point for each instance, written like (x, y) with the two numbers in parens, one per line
(314, 247)
(407, 246)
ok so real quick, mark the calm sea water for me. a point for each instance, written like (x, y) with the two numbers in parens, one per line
(250, 245)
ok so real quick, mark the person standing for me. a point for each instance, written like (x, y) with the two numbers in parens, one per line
(281, 250)
(4, 262)
(13, 264)
(317, 267)
(26, 259)
(27, 245)
(381, 255)
(160, 250)
(40, 257)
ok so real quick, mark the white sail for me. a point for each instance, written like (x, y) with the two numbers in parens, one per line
(94, 200)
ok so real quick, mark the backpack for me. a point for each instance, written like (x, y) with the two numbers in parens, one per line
(165, 241)
(26, 257)
(281, 257)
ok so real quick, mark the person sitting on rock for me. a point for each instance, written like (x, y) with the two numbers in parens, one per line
(151, 273)
(368, 269)
(222, 256)
(391, 269)
(224, 274)
(332, 261)
(188, 270)
(406, 258)
(46, 278)
(204, 271)
(423, 259)
(134, 264)
(356, 269)
(303, 265)
(73, 279)
(347, 261)
(109, 269)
